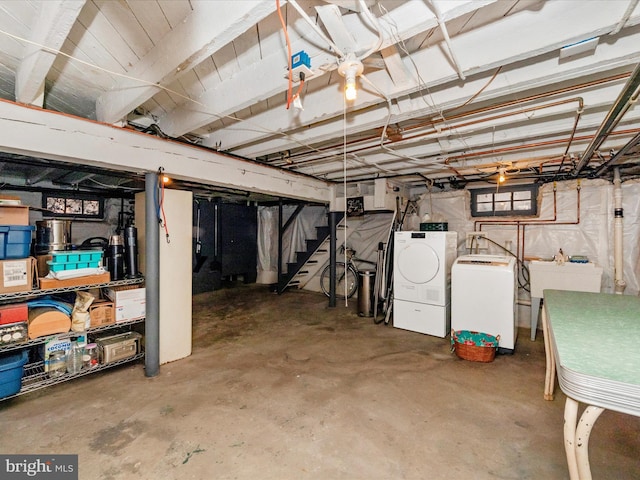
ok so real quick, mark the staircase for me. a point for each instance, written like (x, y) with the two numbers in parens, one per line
(309, 262)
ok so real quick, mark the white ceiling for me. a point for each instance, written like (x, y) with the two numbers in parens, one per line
(452, 90)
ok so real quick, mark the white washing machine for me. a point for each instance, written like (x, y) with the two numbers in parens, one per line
(422, 281)
(483, 297)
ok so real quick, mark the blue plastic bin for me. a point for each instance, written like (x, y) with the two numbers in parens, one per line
(15, 241)
(11, 368)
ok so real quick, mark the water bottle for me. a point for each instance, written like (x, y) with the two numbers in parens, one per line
(74, 358)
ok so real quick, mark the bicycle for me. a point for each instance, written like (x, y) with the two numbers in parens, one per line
(348, 275)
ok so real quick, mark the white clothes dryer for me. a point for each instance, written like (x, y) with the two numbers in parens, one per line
(422, 281)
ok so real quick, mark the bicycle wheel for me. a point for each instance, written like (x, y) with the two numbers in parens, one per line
(351, 279)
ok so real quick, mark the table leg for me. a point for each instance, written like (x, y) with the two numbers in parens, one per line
(550, 374)
(570, 420)
(588, 418)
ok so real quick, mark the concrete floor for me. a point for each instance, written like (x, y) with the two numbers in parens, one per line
(282, 387)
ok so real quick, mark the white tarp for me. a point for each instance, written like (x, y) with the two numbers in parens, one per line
(591, 237)
(364, 235)
(293, 240)
(588, 232)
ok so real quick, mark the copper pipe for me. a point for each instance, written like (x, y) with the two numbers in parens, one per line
(504, 150)
(532, 145)
(538, 96)
(524, 223)
(466, 124)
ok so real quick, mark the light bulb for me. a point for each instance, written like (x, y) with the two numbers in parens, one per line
(501, 177)
(165, 179)
(350, 69)
(350, 90)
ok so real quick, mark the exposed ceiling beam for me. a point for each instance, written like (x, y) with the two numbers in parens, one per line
(412, 18)
(41, 175)
(211, 26)
(54, 21)
(72, 140)
(431, 63)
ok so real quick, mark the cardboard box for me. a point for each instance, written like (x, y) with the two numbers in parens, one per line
(14, 215)
(47, 283)
(17, 275)
(102, 313)
(130, 302)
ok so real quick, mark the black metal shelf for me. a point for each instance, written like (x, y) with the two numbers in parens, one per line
(49, 291)
(41, 340)
(35, 378)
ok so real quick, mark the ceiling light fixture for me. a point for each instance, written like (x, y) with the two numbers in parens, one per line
(350, 69)
(502, 174)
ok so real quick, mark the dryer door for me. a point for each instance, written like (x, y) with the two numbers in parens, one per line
(417, 263)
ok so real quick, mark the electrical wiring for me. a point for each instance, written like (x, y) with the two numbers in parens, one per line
(523, 268)
(421, 83)
(158, 195)
(288, 42)
(112, 186)
(376, 25)
(386, 125)
(259, 127)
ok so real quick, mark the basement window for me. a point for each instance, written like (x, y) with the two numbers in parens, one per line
(76, 206)
(514, 200)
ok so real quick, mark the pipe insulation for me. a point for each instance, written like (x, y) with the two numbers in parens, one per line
(619, 283)
(152, 278)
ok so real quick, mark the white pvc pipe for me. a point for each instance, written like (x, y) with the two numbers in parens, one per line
(625, 17)
(317, 29)
(445, 33)
(619, 283)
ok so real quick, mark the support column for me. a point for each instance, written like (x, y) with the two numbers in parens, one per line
(280, 232)
(152, 278)
(333, 222)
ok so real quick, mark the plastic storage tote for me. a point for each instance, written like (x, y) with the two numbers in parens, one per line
(11, 368)
(15, 241)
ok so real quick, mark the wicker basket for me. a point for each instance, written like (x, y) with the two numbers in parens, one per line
(474, 346)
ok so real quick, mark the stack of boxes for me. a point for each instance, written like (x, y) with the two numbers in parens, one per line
(16, 267)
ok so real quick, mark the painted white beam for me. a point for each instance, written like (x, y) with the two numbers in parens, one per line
(45, 134)
(257, 82)
(51, 28)
(322, 107)
(395, 66)
(331, 18)
(211, 26)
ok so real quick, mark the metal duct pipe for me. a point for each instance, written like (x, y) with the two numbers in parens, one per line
(618, 259)
(627, 97)
(619, 156)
